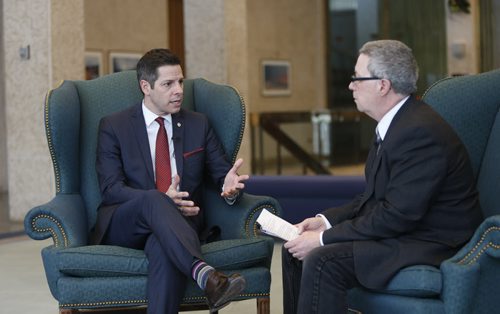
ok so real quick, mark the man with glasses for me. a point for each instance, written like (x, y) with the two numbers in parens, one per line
(420, 204)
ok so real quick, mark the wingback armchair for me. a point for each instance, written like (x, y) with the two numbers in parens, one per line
(469, 281)
(82, 276)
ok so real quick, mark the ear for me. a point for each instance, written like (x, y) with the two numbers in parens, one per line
(145, 87)
(384, 87)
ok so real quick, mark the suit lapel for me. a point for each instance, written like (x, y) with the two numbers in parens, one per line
(141, 135)
(178, 137)
(374, 159)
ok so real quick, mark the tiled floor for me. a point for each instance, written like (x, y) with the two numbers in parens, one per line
(7, 227)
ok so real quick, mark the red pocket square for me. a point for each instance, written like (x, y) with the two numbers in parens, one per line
(191, 153)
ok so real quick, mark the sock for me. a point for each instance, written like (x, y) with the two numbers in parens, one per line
(200, 271)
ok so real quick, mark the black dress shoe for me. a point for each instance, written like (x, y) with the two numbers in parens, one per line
(221, 289)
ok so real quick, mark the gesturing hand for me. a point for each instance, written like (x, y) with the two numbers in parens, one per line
(234, 182)
(186, 207)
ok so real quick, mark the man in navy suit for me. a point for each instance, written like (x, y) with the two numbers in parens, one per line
(420, 204)
(151, 161)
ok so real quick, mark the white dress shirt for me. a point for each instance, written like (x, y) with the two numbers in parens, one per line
(152, 128)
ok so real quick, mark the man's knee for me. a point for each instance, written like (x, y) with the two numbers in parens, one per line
(331, 254)
(154, 200)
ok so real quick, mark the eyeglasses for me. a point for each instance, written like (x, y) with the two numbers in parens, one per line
(366, 78)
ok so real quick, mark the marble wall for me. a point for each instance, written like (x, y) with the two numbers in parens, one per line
(216, 49)
(52, 29)
(205, 40)
(462, 31)
(128, 26)
(3, 137)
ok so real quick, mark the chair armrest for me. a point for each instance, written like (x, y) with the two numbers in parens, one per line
(63, 218)
(462, 272)
(238, 220)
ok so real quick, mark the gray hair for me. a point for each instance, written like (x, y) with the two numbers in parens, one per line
(394, 61)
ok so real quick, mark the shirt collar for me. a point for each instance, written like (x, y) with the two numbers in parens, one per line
(385, 122)
(150, 117)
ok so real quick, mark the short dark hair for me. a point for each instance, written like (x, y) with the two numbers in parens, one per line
(147, 67)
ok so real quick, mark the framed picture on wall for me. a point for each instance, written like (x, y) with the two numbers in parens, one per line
(122, 61)
(93, 64)
(276, 76)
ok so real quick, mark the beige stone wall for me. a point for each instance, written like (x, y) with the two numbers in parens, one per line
(3, 137)
(236, 45)
(26, 82)
(129, 26)
(205, 40)
(462, 37)
(66, 40)
(291, 30)
(52, 29)
(294, 31)
(216, 49)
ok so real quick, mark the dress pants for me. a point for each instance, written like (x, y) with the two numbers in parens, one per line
(152, 222)
(319, 283)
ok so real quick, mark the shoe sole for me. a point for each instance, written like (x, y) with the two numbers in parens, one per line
(237, 286)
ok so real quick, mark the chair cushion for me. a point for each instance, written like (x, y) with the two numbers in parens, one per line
(416, 281)
(115, 261)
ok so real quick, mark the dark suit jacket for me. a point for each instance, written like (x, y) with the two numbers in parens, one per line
(420, 204)
(124, 165)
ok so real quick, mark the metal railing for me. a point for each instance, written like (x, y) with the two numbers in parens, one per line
(270, 123)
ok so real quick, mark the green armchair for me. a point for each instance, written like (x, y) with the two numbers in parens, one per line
(469, 281)
(82, 276)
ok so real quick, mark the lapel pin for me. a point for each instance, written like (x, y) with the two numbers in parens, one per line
(179, 124)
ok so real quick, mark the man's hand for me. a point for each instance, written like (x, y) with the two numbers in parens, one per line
(310, 230)
(303, 244)
(311, 224)
(186, 207)
(233, 182)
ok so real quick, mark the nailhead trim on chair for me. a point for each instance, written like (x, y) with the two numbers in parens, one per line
(107, 303)
(246, 295)
(243, 121)
(476, 247)
(49, 140)
(54, 234)
(128, 302)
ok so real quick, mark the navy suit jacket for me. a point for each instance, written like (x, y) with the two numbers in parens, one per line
(420, 204)
(124, 165)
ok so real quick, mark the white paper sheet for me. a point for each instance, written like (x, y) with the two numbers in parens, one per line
(276, 226)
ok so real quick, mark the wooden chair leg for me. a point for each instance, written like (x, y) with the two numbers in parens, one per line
(263, 305)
